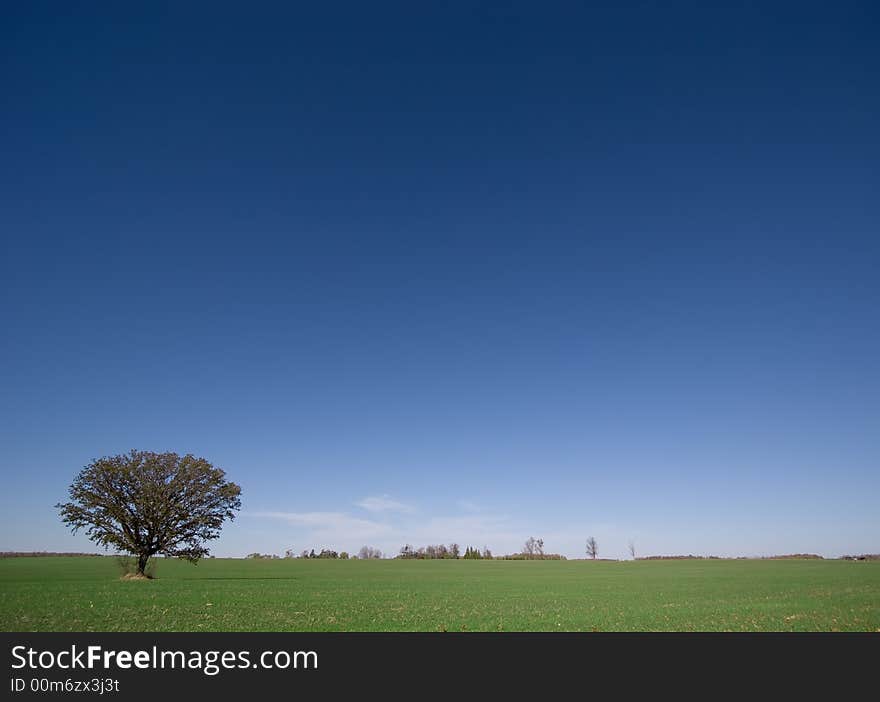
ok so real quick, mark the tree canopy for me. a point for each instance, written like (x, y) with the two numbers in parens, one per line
(147, 503)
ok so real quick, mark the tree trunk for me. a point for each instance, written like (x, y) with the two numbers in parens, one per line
(142, 564)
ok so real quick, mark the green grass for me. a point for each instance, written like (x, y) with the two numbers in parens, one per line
(85, 594)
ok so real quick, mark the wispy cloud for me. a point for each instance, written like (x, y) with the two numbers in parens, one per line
(468, 506)
(384, 503)
(330, 525)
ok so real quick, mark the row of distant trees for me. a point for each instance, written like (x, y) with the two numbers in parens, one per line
(431, 551)
(323, 553)
(366, 552)
(442, 551)
(533, 549)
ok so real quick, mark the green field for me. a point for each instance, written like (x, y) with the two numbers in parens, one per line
(86, 594)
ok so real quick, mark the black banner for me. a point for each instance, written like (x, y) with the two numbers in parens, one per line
(233, 665)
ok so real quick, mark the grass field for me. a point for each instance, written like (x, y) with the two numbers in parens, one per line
(86, 594)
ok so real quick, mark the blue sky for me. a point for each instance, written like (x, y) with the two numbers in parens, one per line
(469, 273)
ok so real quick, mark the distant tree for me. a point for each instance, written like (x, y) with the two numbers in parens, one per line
(533, 548)
(289, 553)
(592, 548)
(454, 551)
(407, 551)
(486, 552)
(146, 503)
(343, 555)
(632, 549)
(369, 552)
(304, 554)
(312, 554)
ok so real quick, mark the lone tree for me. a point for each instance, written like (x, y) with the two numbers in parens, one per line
(145, 503)
(592, 548)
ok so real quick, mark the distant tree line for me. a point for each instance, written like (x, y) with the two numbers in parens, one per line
(533, 550)
(690, 556)
(323, 553)
(430, 552)
(46, 554)
(442, 551)
(326, 553)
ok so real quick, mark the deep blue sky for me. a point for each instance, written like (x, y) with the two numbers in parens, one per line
(471, 273)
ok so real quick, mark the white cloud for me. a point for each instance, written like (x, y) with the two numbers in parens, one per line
(330, 526)
(468, 506)
(384, 503)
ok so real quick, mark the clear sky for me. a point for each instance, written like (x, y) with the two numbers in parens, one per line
(469, 273)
